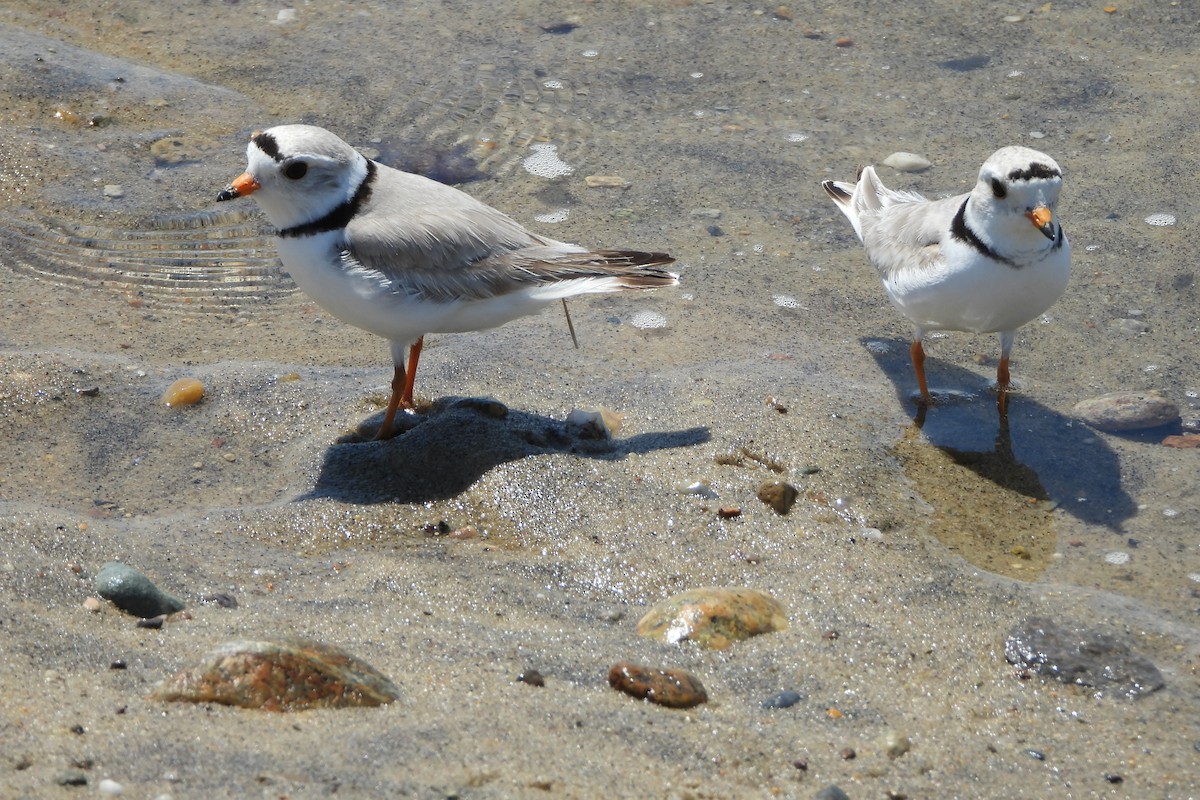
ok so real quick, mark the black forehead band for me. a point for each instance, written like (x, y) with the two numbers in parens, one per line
(266, 142)
(1035, 170)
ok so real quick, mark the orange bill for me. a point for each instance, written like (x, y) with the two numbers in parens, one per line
(241, 186)
(1043, 220)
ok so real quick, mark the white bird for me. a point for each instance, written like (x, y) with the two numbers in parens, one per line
(400, 255)
(988, 261)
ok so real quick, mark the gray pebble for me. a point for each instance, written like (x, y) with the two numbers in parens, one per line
(783, 700)
(113, 190)
(70, 777)
(134, 593)
(1081, 656)
(831, 792)
(1127, 411)
(1131, 325)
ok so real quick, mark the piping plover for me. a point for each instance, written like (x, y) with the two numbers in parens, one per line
(988, 261)
(401, 256)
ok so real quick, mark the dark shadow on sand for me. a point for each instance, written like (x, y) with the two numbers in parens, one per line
(455, 442)
(1040, 452)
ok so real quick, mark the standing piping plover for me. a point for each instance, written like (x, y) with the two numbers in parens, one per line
(400, 255)
(988, 261)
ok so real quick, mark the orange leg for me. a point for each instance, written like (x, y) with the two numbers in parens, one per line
(1002, 384)
(414, 353)
(402, 389)
(917, 351)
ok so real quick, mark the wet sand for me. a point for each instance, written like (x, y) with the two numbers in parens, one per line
(903, 565)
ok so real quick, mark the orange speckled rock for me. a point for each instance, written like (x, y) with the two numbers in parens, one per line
(673, 688)
(183, 392)
(289, 675)
(713, 618)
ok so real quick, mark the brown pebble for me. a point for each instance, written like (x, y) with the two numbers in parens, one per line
(532, 677)
(844, 41)
(91, 604)
(713, 617)
(183, 392)
(673, 688)
(779, 495)
(848, 753)
(729, 512)
(1183, 441)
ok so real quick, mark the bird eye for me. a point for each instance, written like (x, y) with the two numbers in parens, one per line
(998, 188)
(296, 170)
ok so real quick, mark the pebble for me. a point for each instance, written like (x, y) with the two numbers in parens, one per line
(114, 190)
(1161, 220)
(183, 392)
(91, 604)
(111, 788)
(1081, 656)
(70, 778)
(1134, 326)
(783, 700)
(290, 675)
(831, 792)
(1182, 442)
(532, 677)
(606, 182)
(779, 495)
(132, 592)
(601, 423)
(714, 617)
(673, 688)
(1127, 411)
(907, 162)
(896, 744)
(699, 489)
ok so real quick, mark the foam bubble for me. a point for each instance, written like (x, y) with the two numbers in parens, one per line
(545, 162)
(1160, 220)
(1116, 557)
(558, 215)
(552, 84)
(786, 301)
(648, 320)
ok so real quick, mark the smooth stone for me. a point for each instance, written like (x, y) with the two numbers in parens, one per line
(713, 617)
(1132, 325)
(1127, 411)
(907, 162)
(779, 495)
(601, 423)
(1081, 656)
(783, 700)
(896, 744)
(290, 675)
(831, 792)
(134, 593)
(70, 778)
(674, 688)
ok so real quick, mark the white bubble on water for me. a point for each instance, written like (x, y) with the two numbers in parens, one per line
(1160, 220)
(786, 301)
(647, 320)
(552, 84)
(545, 162)
(1116, 557)
(558, 215)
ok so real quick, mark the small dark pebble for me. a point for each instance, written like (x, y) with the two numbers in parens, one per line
(91, 391)
(559, 27)
(70, 778)
(673, 688)
(1112, 777)
(715, 230)
(848, 753)
(118, 664)
(965, 64)
(152, 622)
(132, 592)
(782, 700)
(800, 764)
(831, 792)
(78, 730)
(532, 677)
(221, 599)
(1038, 754)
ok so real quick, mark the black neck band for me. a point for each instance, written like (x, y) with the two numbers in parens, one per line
(340, 216)
(961, 231)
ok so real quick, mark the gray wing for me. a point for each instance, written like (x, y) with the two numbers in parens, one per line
(905, 235)
(429, 240)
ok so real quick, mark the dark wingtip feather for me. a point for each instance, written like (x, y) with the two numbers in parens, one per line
(836, 194)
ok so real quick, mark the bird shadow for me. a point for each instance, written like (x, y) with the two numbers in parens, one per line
(453, 443)
(1035, 451)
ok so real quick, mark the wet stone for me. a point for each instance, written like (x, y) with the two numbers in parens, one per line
(290, 675)
(831, 792)
(783, 700)
(1081, 656)
(779, 495)
(532, 677)
(673, 688)
(1127, 411)
(713, 618)
(70, 777)
(134, 593)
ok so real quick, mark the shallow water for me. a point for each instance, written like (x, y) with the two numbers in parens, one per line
(920, 547)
